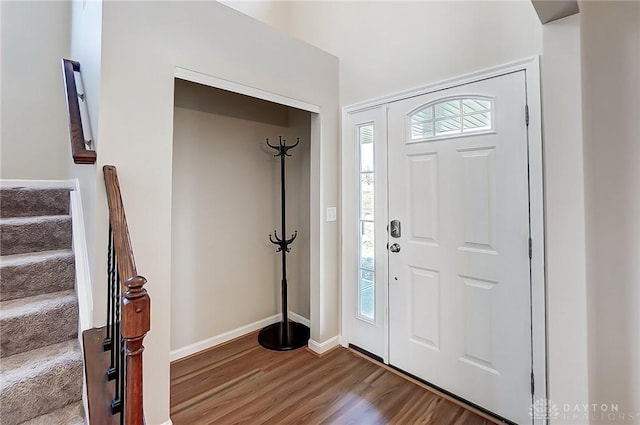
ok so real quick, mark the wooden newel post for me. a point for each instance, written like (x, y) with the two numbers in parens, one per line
(136, 318)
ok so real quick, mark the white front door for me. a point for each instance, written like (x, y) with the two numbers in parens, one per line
(459, 286)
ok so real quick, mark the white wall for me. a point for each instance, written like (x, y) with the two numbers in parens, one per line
(565, 215)
(34, 135)
(611, 93)
(142, 43)
(226, 200)
(390, 46)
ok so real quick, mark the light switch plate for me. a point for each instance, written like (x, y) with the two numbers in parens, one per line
(331, 214)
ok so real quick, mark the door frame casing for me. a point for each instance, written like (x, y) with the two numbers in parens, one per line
(349, 211)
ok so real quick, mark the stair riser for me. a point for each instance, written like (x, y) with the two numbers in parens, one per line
(37, 396)
(42, 277)
(46, 235)
(33, 202)
(28, 332)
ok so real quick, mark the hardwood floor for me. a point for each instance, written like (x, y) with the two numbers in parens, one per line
(243, 383)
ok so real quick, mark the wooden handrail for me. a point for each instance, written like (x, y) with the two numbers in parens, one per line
(79, 151)
(118, 221)
(136, 305)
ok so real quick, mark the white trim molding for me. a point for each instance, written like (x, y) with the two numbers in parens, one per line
(167, 422)
(81, 254)
(222, 338)
(211, 81)
(322, 347)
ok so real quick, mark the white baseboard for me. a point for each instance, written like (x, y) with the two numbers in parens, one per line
(300, 319)
(167, 423)
(222, 338)
(234, 333)
(322, 347)
(38, 184)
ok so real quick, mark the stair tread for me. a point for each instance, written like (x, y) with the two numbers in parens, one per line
(14, 260)
(36, 219)
(72, 414)
(37, 304)
(28, 365)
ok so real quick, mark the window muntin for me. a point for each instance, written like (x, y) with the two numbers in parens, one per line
(366, 276)
(450, 117)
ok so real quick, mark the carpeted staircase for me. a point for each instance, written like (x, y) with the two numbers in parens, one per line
(40, 356)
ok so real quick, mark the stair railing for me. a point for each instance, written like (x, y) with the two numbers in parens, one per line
(80, 145)
(129, 311)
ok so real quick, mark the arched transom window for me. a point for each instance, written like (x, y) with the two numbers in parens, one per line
(451, 117)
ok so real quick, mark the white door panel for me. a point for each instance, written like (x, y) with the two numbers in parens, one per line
(459, 291)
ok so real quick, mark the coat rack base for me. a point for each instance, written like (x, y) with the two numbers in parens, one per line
(273, 336)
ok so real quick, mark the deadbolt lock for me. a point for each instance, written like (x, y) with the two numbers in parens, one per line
(395, 231)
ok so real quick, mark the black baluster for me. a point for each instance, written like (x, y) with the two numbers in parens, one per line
(116, 403)
(111, 303)
(106, 344)
(123, 372)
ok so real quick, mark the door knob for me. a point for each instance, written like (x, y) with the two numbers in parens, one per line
(394, 248)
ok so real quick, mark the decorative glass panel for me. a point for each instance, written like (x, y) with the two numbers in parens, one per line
(421, 130)
(366, 157)
(366, 279)
(450, 126)
(367, 294)
(481, 121)
(447, 109)
(366, 245)
(422, 115)
(366, 196)
(469, 106)
(452, 116)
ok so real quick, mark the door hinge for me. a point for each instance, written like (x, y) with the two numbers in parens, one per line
(530, 248)
(526, 114)
(533, 384)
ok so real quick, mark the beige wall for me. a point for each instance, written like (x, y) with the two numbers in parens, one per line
(299, 211)
(86, 48)
(611, 89)
(274, 13)
(390, 46)
(226, 200)
(142, 43)
(34, 136)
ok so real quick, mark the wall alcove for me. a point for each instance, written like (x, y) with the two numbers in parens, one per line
(225, 201)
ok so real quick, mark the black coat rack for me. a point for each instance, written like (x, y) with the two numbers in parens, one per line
(284, 335)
